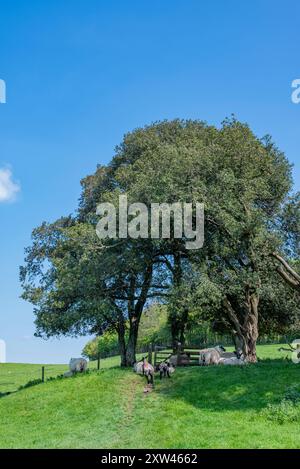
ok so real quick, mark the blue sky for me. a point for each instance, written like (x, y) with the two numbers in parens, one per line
(80, 74)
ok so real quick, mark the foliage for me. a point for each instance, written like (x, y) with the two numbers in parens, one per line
(80, 285)
(293, 394)
(153, 327)
(289, 225)
(153, 330)
(33, 382)
(243, 182)
(287, 410)
(284, 412)
(104, 346)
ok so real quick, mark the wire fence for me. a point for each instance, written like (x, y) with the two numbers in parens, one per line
(14, 377)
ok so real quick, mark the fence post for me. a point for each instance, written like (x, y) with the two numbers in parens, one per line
(98, 362)
(43, 374)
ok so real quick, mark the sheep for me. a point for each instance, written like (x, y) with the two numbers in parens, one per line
(143, 367)
(184, 359)
(165, 369)
(238, 359)
(138, 368)
(237, 353)
(77, 365)
(173, 360)
(228, 355)
(210, 356)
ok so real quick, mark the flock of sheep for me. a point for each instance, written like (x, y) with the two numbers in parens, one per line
(209, 356)
(143, 367)
(219, 356)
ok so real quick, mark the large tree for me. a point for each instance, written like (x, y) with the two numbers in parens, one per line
(243, 182)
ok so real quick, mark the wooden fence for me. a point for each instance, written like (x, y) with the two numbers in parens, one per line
(187, 356)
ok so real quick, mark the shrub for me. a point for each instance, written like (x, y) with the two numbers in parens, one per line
(293, 394)
(33, 382)
(284, 412)
(287, 410)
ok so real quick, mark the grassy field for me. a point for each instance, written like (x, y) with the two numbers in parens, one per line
(199, 407)
(13, 375)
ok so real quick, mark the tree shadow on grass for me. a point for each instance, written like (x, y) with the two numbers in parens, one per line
(227, 388)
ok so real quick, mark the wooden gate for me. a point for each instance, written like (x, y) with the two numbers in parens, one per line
(186, 356)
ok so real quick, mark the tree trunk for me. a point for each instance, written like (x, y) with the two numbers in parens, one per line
(122, 344)
(132, 341)
(135, 310)
(238, 341)
(246, 333)
(183, 322)
(251, 327)
(177, 323)
(175, 333)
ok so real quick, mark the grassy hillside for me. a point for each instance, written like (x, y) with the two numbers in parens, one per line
(199, 407)
(13, 375)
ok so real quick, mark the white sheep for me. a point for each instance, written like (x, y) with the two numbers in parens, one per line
(143, 367)
(211, 356)
(77, 365)
(138, 368)
(165, 369)
(239, 359)
(228, 354)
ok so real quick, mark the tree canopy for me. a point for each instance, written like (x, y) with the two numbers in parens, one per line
(81, 284)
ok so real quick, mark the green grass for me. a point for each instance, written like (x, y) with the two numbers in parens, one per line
(199, 407)
(14, 375)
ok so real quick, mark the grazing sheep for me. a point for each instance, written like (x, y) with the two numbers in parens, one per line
(143, 367)
(165, 369)
(211, 356)
(77, 365)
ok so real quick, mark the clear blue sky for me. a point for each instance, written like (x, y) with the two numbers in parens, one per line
(80, 74)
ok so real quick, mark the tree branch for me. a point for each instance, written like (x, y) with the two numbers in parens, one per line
(291, 271)
(289, 275)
